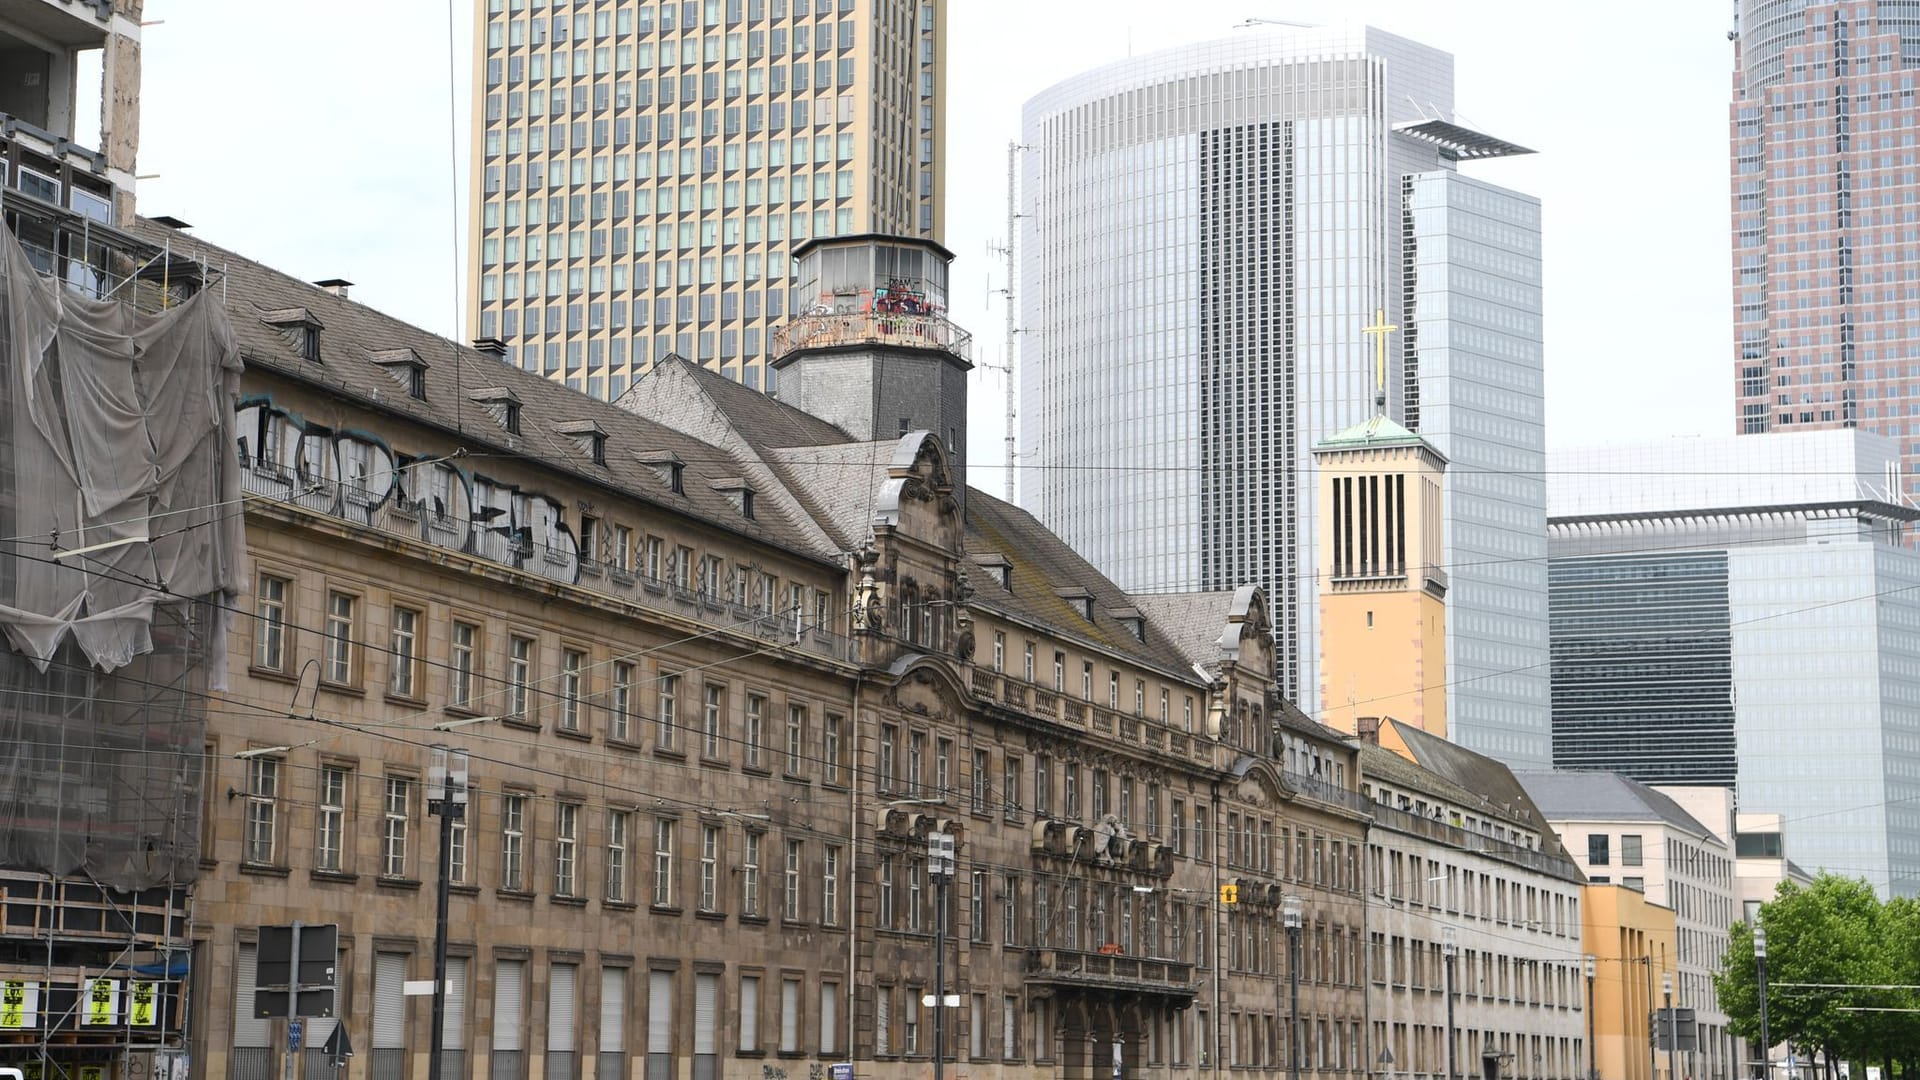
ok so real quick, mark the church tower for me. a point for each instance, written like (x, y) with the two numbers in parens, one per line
(1383, 635)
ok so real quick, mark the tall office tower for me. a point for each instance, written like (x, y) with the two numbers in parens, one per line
(642, 169)
(1825, 334)
(1208, 232)
(1738, 615)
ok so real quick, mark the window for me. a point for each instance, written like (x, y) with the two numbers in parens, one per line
(830, 749)
(889, 740)
(1010, 786)
(756, 730)
(405, 657)
(393, 834)
(460, 666)
(659, 1023)
(340, 655)
(982, 768)
(509, 1018)
(1010, 1027)
(1636, 883)
(513, 842)
(270, 635)
(711, 711)
(910, 1026)
(882, 1021)
(665, 719)
(750, 876)
(566, 849)
(796, 738)
(1043, 786)
(830, 887)
(999, 651)
(790, 902)
(916, 753)
(573, 663)
(829, 1017)
(561, 1016)
(749, 1013)
(1629, 850)
(1010, 911)
(617, 824)
(331, 824)
(662, 863)
(620, 718)
(789, 1016)
(519, 675)
(1597, 854)
(886, 892)
(1029, 662)
(977, 906)
(942, 768)
(709, 868)
(263, 809)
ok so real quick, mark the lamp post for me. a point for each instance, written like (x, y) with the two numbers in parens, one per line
(1760, 965)
(1449, 950)
(1593, 1067)
(447, 797)
(1673, 1040)
(940, 867)
(1290, 913)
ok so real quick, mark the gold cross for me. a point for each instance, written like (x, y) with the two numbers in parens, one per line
(1378, 332)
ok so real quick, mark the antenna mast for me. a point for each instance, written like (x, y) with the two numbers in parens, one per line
(1009, 252)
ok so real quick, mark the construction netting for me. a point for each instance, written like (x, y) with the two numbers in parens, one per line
(121, 548)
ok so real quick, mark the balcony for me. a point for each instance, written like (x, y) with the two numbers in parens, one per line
(899, 330)
(1072, 971)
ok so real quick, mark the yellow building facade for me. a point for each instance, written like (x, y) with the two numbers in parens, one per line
(1383, 593)
(1631, 942)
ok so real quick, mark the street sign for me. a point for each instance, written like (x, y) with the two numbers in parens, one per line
(296, 1031)
(337, 1048)
(928, 1001)
(840, 1070)
(278, 978)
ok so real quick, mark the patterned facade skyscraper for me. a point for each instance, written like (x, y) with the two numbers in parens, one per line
(641, 169)
(1826, 333)
(1208, 231)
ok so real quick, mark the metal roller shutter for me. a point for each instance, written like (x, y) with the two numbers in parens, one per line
(613, 1010)
(247, 1031)
(706, 1014)
(509, 1003)
(389, 1016)
(789, 1015)
(453, 1024)
(750, 1013)
(560, 980)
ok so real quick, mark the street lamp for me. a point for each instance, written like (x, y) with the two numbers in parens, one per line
(1673, 1041)
(1290, 913)
(1593, 1068)
(940, 868)
(447, 797)
(1760, 964)
(1449, 949)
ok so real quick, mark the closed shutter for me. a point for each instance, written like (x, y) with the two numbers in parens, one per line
(247, 1031)
(509, 1003)
(1009, 1027)
(749, 1013)
(560, 979)
(613, 1010)
(789, 1015)
(882, 1022)
(977, 1027)
(453, 1023)
(706, 1003)
(659, 1012)
(829, 1017)
(389, 1002)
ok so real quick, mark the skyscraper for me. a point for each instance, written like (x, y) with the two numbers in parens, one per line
(1825, 330)
(1209, 231)
(642, 169)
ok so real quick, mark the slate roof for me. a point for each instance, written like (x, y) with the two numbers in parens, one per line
(1495, 787)
(352, 332)
(1603, 796)
(765, 422)
(1191, 620)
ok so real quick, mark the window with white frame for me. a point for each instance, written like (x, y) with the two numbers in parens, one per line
(756, 733)
(460, 666)
(519, 675)
(709, 868)
(270, 629)
(331, 819)
(397, 820)
(618, 821)
(620, 712)
(513, 842)
(796, 738)
(263, 810)
(750, 875)
(663, 862)
(666, 719)
(404, 655)
(341, 657)
(573, 663)
(790, 906)
(566, 849)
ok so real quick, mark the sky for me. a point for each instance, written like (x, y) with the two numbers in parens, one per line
(327, 139)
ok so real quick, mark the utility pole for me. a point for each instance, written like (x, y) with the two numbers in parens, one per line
(1673, 1040)
(940, 867)
(447, 797)
(1450, 949)
(1010, 253)
(1593, 1066)
(1290, 908)
(1760, 963)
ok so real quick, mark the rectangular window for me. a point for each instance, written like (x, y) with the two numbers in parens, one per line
(519, 675)
(612, 1035)
(509, 1018)
(1629, 850)
(830, 887)
(618, 822)
(796, 738)
(1597, 853)
(886, 892)
(706, 1024)
(341, 609)
(398, 817)
(1009, 1027)
(665, 720)
(270, 635)
(713, 711)
(263, 810)
(749, 1013)
(573, 664)
(790, 904)
(830, 749)
(884, 763)
(916, 753)
(330, 843)
(620, 713)
(1010, 787)
(982, 769)
(882, 1021)
(943, 768)
(662, 863)
(789, 1016)
(513, 842)
(977, 906)
(460, 665)
(750, 877)
(404, 656)
(566, 849)
(659, 1025)
(829, 1017)
(709, 868)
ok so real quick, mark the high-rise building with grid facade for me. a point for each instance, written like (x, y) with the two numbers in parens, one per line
(1826, 331)
(1208, 231)
(642, 169)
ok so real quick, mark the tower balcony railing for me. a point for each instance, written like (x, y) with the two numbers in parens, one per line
(832, 330)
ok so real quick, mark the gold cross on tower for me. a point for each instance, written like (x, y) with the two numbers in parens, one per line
(1378, 332)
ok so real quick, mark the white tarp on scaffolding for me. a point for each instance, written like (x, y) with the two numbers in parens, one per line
(115, 442)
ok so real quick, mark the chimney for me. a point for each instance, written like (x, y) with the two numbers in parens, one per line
(1367, 728)
(491, 346)
(336, 286)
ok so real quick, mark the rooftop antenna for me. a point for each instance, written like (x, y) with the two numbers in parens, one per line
(1256, 21)
(1008, 253)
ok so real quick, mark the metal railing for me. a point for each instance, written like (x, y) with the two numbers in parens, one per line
(872, 328)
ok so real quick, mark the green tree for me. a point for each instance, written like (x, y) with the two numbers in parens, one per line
(1833, 933)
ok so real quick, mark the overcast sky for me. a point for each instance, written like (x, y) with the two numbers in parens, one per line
(323, 137)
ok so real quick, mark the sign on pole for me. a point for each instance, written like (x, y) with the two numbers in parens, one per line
(286, 988)
(840, 1070)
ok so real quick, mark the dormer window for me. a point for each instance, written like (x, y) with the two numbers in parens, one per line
(1134, 622)
(1000, 567)
(738, 490)
(405, 368)
(589, 436)
(668, 467)
(502, 405)
(1080, 600)
(299, 329)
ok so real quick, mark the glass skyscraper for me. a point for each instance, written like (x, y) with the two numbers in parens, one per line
(1741, 612)
(1207, 232)
(642, 168)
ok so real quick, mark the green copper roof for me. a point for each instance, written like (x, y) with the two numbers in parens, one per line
(1375, 431)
